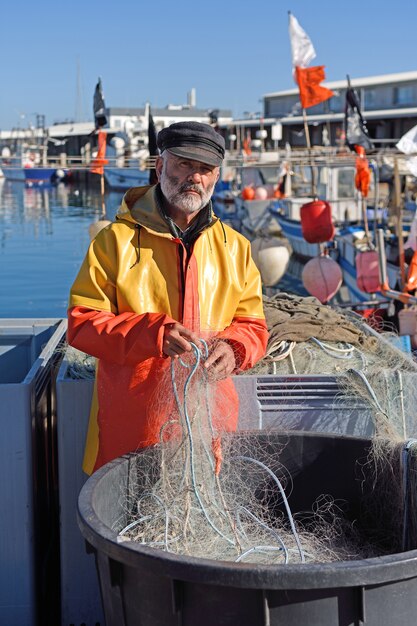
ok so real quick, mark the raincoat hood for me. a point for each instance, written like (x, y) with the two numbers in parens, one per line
(140, 206)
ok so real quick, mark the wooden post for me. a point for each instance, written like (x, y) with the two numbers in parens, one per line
(308, 142)
(399, 222)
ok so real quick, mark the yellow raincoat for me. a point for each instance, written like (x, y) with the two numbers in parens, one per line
(134, 280)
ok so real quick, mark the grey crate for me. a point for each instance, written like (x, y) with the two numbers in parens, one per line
(80, 593)
(27, 352)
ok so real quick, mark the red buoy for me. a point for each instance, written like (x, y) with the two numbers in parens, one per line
(367, 271)
(316, 221)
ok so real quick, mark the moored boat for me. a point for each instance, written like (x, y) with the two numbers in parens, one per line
(335, 185)
(18, 170)
(122, 178)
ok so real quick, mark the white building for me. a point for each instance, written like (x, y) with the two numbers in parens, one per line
(388, 104)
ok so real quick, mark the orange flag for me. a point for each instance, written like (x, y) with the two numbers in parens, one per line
(246, 145)
(363, 175)
(311, 92)
(97, 164)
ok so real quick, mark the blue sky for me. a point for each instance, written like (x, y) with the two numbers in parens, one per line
(231, 52)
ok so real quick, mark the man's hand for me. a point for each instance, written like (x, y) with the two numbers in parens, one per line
(221, 361)
(177, 340)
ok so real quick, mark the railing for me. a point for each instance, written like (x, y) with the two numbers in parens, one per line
(319, 156)
(79, 163)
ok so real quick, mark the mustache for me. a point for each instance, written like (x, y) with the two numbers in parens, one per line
(190, 187)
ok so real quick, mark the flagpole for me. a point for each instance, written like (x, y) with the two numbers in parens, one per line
(103, 201)
(310, 156)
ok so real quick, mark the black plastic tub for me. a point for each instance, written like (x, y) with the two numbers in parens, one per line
(148, 587)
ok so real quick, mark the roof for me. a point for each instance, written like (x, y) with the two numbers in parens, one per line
(167, 112)
(368, 115)
(369, 81)
(68, 129)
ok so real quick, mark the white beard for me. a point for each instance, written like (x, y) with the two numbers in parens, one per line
(187, 202)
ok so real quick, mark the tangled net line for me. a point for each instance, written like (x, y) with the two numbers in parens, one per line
(200, 503)
(307, 355)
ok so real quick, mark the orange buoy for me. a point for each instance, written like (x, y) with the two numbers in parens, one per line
(248, 193)
(322, 277)
(367, 271)
(316, 221)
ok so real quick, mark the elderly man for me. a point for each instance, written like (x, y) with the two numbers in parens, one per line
(167, 273)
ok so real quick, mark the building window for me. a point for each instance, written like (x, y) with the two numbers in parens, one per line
(369, 98)
(403, 95)
(336, 103)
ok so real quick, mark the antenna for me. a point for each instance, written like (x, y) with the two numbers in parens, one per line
(79, 103)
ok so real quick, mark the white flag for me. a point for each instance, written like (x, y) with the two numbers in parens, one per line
(408, 145)
(408, 142)
(301, 47)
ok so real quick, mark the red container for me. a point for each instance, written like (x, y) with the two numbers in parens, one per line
(367, 271)
(316, 221)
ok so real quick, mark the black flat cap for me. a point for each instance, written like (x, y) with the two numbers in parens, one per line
(193, 140)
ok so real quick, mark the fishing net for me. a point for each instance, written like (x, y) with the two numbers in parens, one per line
(207, 493)
(307, 337)
(79, 364)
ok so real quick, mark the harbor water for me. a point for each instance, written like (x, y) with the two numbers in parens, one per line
(44, 235)
(43, 239)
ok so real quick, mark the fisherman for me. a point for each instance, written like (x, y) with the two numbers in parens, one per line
(164, 275)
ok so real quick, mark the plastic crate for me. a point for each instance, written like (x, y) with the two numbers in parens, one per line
(28, 353)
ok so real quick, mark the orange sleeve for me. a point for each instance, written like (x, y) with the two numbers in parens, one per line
(127, 338)
(248, 332)
(248, 337)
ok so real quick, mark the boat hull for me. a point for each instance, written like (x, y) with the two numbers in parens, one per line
(33, 176)
(346, 257)
(291, 229)
(125, 177)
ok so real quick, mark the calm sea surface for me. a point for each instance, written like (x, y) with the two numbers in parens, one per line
(43, 239)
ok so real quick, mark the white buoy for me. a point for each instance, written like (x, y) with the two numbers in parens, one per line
(271, 257)
(261, 193)
(96, 227)
(322, 277)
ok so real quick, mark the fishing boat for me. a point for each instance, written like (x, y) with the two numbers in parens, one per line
(256, 185)
(335, 184)
(351, 243)
(123, 178)
(359, 248)
(28, 169)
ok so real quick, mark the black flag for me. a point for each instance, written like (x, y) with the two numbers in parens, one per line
(99, 106)
(355, 125)
(152, 147)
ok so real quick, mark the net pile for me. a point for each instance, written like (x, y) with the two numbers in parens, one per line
(204, 493)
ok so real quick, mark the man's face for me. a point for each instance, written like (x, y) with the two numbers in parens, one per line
(187, 185)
